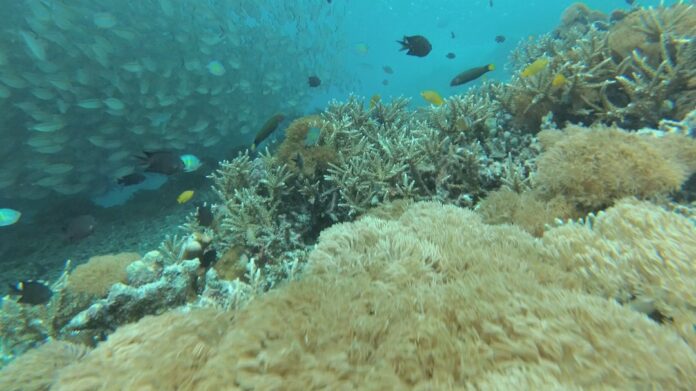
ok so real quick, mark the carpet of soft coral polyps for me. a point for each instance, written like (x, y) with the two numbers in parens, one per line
(432, 300)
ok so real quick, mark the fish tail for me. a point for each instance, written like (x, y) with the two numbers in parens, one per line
(143, 159)
(404, 45)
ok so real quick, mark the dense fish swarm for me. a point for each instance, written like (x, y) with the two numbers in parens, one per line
(85, 86)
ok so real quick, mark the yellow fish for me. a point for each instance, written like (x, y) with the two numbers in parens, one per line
(432, 97)
(374, 100)
(535, 67)
(185, 196)
(558, 81)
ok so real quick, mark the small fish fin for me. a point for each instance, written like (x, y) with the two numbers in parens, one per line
(143, 159)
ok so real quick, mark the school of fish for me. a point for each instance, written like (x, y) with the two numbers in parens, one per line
(86, 87)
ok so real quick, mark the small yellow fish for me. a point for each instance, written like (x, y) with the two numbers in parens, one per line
(535, 67)
(185, 196)
(374, 100)
(432, 97)
(558, 81)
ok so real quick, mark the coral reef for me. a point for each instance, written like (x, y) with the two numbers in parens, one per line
(635, 72)
(527, 210)
(379, 306)
(344, 220)
(95, 277)
(272, 207)
(37, 370)
(23, 327)
(638, 254)
(593, 167)
(193, 336)
(168, 287)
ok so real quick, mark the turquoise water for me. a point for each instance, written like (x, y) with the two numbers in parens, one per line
(474, 23)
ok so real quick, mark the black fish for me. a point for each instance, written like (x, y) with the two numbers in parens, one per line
(490, 2)
(162, 162)
(630, 2)
(80, 227)
(451, 55)
(267, 129)
(388, 70)
(452, 34)
(417, 45)
(204, 214)
(131, 179)
(600, 26)
(500, 38)
(299, 161)
(314, 81)
(209, 257)
(32, 292)
(617, 15)
(471, 74)
(385, 82)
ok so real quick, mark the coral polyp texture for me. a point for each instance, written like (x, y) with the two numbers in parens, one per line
(380, 306)
(594, 167)
(638, 254)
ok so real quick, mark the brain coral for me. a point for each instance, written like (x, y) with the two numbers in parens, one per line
(433, 300)
(593, 167)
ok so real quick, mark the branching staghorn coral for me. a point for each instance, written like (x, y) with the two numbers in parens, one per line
(253, 192)
(596, 74)
(570, 86)
(394, 155)
(263, 217)
(357, 159)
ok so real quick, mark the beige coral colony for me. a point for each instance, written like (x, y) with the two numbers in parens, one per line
(532, 234)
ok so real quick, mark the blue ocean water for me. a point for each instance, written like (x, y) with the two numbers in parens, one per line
(475, 25)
